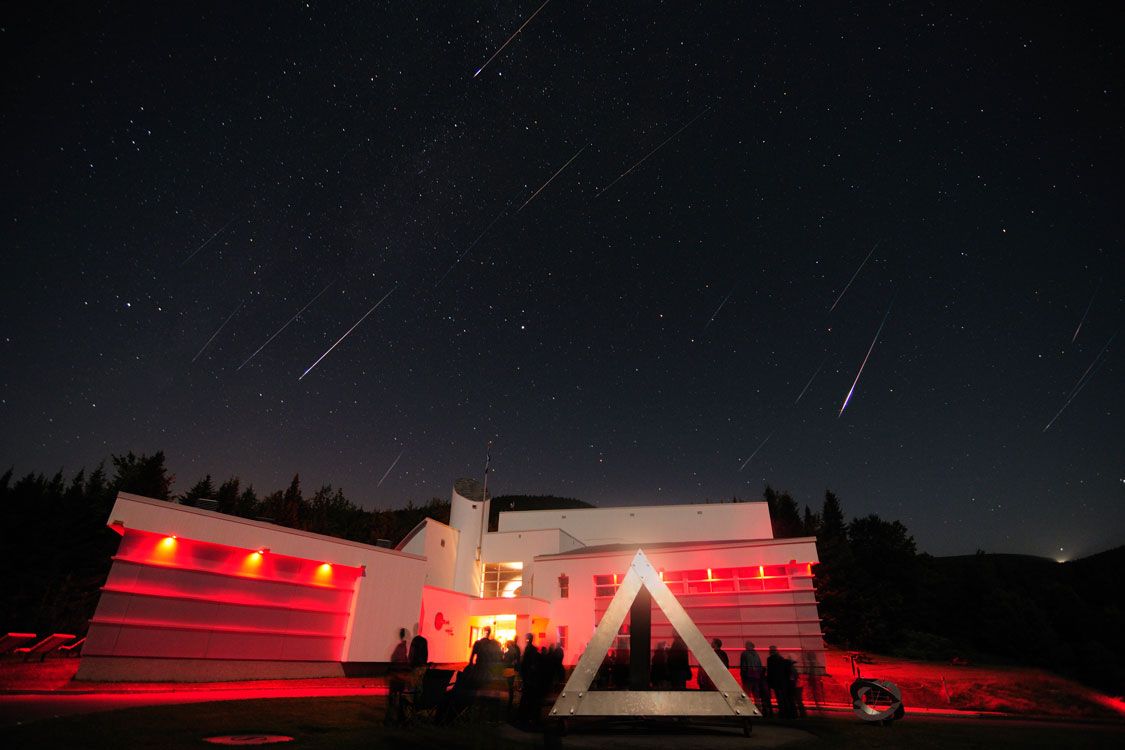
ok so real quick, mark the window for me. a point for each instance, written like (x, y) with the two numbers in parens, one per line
(503, 579)
(564, 586)
(754, 578)
(562, 639)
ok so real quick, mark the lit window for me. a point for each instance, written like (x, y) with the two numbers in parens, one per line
(503, 579)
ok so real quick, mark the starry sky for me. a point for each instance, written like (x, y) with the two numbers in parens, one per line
(645, 251)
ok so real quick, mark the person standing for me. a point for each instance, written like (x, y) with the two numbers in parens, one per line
(484, 659)
(396, 680)
(511, 669)
(753, 676)
(531, 679)
(660, 666)
(777, 675)
(705, 681)
(679, 669)
(419, 651)
(812, 677)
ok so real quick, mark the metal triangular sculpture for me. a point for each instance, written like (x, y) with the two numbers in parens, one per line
(576, 699)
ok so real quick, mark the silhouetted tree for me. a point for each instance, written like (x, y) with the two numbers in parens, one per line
(227, 495)
(201, 490)
(784, 515)
(142, 475)
(810, 524)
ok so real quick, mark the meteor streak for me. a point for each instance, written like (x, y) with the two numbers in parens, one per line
(1082, 381)
(548, 182)
(803, 390)
(473, 244)
(864, 364)
(509, 41)
(1088, 306)
(650, 153)
(849, 284)
(740, 468)
(347, 333)
(205, 244)
(216, 333)
(279, 330)
(717, 309)
(390, 468)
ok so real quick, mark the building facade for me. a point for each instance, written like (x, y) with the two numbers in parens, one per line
(198, 595)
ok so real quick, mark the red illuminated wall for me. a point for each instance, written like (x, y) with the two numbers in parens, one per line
(766, 604)
(188, 599)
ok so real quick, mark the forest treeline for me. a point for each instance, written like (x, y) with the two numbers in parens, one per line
(876, 592)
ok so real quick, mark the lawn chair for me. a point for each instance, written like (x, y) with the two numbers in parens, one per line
(44, 647)
(427, 698)
(10, 640)
(72, 649)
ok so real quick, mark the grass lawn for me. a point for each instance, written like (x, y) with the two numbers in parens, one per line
(358, 723)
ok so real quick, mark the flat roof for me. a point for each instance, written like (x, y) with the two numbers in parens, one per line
(616, 549)
(671, 506)
(170, 506)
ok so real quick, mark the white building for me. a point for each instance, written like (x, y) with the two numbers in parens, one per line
(198, 595)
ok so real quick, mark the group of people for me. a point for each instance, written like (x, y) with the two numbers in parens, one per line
(780, 677)
(536, 671)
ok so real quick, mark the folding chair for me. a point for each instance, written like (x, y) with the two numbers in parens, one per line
(426, 699)
(72, 649)
(10, 640)
(44, 647)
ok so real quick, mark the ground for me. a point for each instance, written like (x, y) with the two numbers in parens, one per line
(983, 707)
(357, 722)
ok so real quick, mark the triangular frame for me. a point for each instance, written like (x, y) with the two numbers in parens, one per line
(576, 699)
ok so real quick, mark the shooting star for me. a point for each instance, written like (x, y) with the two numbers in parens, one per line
(548, 182)
(216, 333)
(717, 309)
(1082, 381)
(849, 284)
(740, 468)
(509, 41)
(1088, 306)
(387, 473)
(663, 143)
(806, 388)
(347, 333)
(473, 244)
(279, 330)
(864, 364)
(205, 244)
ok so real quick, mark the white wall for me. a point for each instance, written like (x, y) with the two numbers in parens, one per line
(438, 544)
(388, 597)
(649, 524)
(449, 643)
(467, 517)
(523, 546)
(578, 610)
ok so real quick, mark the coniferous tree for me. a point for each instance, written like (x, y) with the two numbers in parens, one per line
(201, 490)
(142, 475)
(834, 575)
(227, 495)
(784, 515)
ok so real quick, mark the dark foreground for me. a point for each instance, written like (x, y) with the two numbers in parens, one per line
(357, 722)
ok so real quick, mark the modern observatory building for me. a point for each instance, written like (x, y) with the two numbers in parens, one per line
(198, 595)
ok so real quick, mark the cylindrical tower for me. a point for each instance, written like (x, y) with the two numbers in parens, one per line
(468, 513)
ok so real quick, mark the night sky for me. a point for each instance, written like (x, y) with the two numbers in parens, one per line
(180, 182)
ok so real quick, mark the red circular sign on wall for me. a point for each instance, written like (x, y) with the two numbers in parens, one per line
(439, 621)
